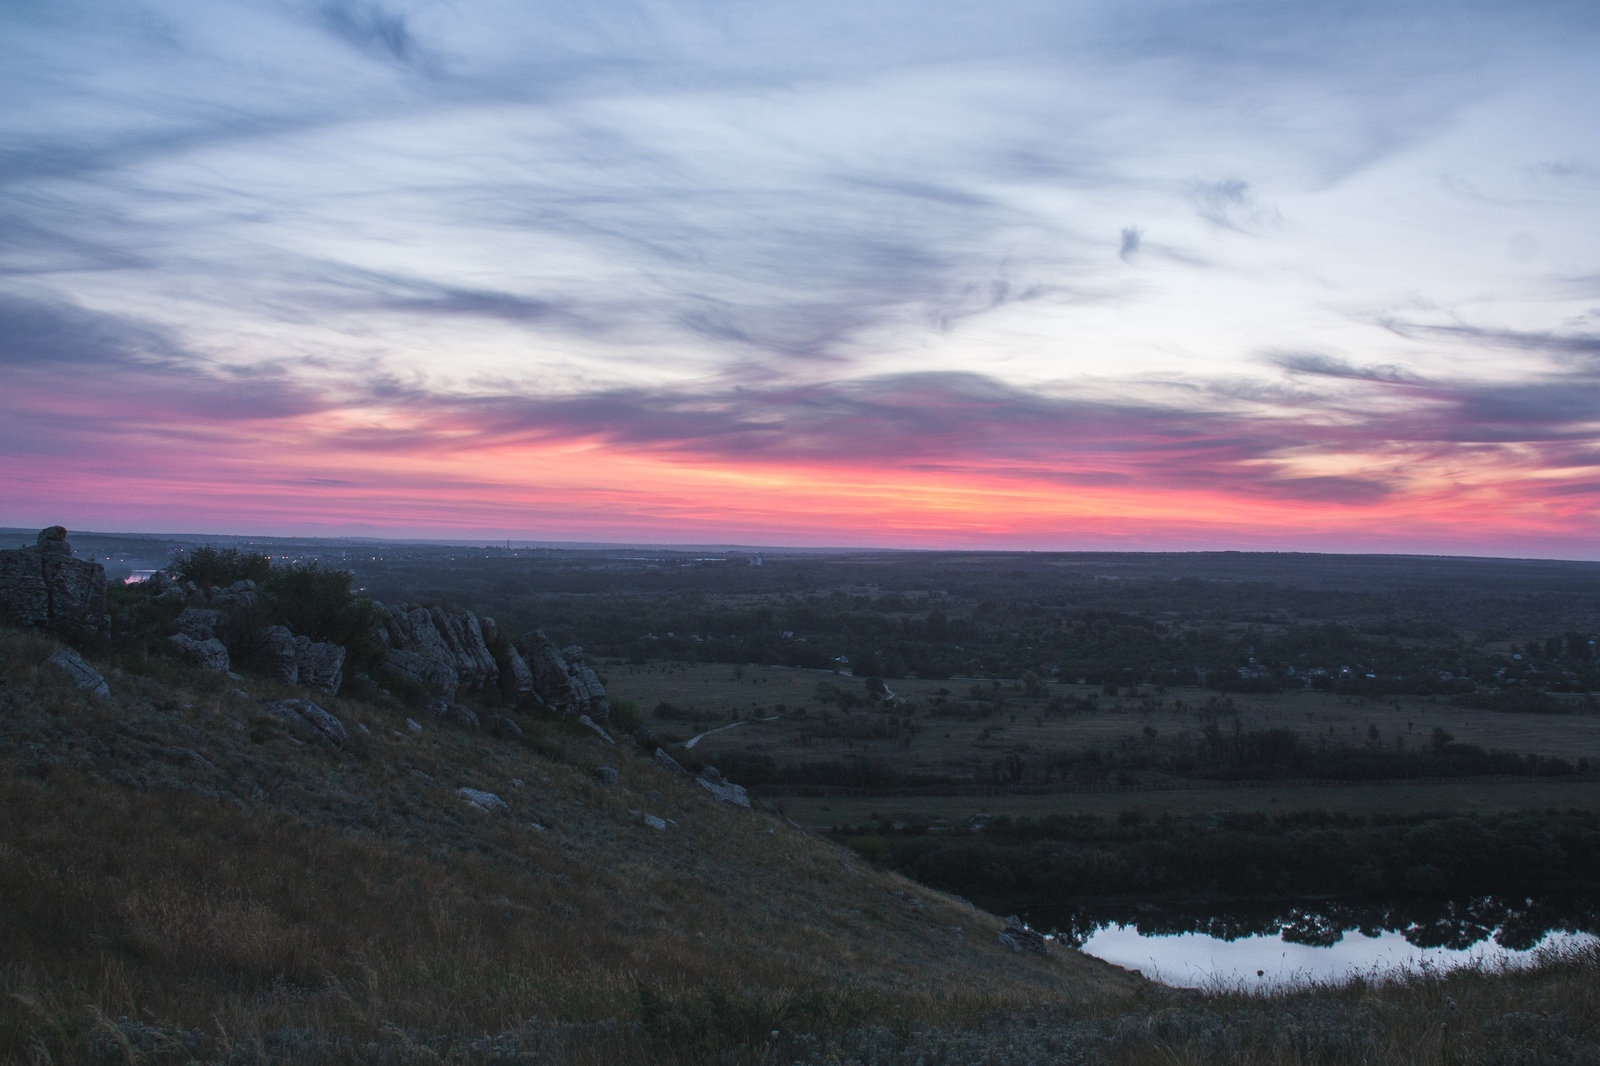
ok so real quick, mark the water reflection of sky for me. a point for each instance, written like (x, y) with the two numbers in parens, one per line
(1195, 960)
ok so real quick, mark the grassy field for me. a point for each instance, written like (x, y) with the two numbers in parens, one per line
(710, 696)
(184, 880)
(718, 693)
(1484, 797)
(175, 855)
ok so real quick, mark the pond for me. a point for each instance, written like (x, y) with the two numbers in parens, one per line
(1273, 945)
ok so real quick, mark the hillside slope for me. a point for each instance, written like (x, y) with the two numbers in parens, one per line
(180, 856)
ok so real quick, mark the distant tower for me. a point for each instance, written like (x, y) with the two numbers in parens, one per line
(757, 561)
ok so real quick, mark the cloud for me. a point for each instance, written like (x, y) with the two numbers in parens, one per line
(836, 235)
(376, 31)
(49, 334)
(1316, 363)
(1547, 341)
(1230, 205)
(1131, 237)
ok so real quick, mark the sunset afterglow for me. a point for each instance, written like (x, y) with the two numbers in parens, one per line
(1183, 276)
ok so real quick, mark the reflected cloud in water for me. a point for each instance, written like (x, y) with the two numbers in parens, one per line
(1272, 944)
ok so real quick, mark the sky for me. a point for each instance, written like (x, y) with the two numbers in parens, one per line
(1044, 275)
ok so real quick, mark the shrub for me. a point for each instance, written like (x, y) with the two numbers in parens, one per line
(210, 567)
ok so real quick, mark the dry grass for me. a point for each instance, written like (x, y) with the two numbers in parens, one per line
(1484, 797)
(182, 881)
(172, 858)
(717, 691)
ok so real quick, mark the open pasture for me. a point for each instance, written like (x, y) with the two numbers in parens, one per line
(1465, 797)
(942, 740)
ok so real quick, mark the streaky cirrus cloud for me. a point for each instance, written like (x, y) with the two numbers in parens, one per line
(1033, 274)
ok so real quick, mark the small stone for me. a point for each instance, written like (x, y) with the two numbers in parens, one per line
(482, 801)
(413, 725)
(667, 762)
(655, 823)
(500, 727)
(585, 720)
(326, 725)
(606, 775)
(516, 782)
(79, 672)
(725, 791)
(455, 712)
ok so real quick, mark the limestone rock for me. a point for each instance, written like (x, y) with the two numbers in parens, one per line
(433, 675)
(463, 636)
(585, 720)
(278, 652)
(210, 654)
(45, 586)
(299, 660)
(199, 623)
(80, 673)
(481, 801)
(321, 665)
(441, 650)
(53, 541)
(667, 762)
(500, 727)
(562, 678)
(1018, 937)
(726, 791)
(305, 713)
(24, 599)
(517, 676)
(240, 593)
(455, 712)
(606, 775)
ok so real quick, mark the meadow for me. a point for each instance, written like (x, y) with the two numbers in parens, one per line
(183, 882)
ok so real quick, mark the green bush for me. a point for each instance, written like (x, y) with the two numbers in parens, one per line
(210, 567)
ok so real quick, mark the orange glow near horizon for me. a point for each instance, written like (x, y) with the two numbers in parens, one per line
(257, 478)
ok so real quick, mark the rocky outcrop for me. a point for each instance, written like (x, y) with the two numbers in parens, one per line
(208, 654)
(196, 638)
(1018, 937)
(240, 594)
(561, 678)
(299, 660)
(441, 651)
(199, 623)
(726, 791)
(516, 677)
(70, 663)
(45, 586)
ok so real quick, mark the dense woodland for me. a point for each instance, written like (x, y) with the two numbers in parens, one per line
(1493, 632)
(1231, 621)
(1031, 862)
(1499, 635)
